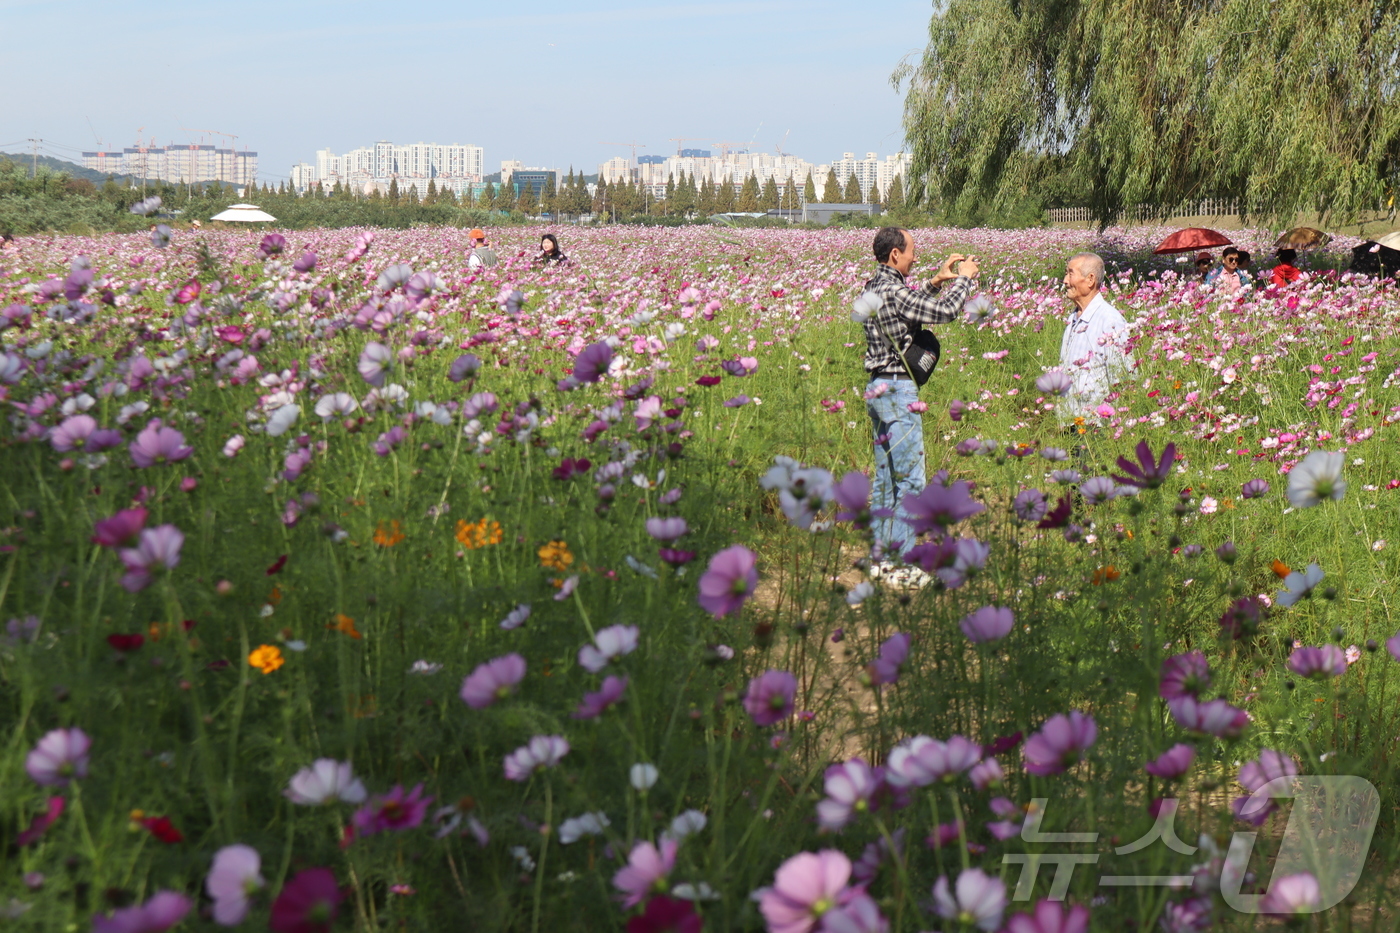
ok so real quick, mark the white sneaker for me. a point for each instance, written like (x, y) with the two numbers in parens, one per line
(899, 576)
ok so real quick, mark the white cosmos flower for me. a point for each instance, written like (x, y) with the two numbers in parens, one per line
(338, 403)
(589, 824)
(611, 642)
(687, 824)
(1297, 585)
(643, 776)
(864, 306)
(326, 779)
(282, 420)
(1318, 477)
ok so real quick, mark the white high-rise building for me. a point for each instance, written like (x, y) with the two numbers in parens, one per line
(187, 163)
(873, 173)
(375, 167)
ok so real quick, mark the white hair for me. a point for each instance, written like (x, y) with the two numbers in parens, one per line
(1089, 264)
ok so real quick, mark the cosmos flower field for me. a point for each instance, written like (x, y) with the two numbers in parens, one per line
(345, 588)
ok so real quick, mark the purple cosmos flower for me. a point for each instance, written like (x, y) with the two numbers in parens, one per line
(1190, 916)
(492, 681)
(990, 623)
(986, 773)
(1292, 895)
(921, 761)
(1097, 490)
(376, 360)
(120, 529)
(611, 642)
(234, 876)
(939, 506)
(161, 912)
(1029, 506)
(464, 367)
(1172, 763)
(729, 581)
(159, 444)
(894, 651)
(1255, 489)
(743, 366)
(157, 549)
(596, 703)
(394, 276)
(1226, 553)
(770, 697)
(324, 781)
(956, 409)
(1184, 674)
(738, 401)
(875, 854)
(1061, 742)
(1216, 717)
(977, 899)
(1148, 472)
(1270, 766)
(306, 263)
(308, 903)
(969, 556)
(1318, 663)
(852, 497)
(40, 824)
(1050, 917)
(1243, 617)
(805, 888)
(675, 557)
(849, 787)
(1392, 644)
(857, 913)
(666, 529)
(646, 870)
(394, 811)
(73, 433)
(273, 244)
(592, 362)
(542, 751)
(1065, 477)
(1055, 382)
(103, 439)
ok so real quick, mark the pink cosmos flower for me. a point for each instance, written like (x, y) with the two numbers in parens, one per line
(666, 529)
(1184, 674)
(849, 787)
(73, 433)
(395, 811)
(157, 549)
(986, 773)
(492, 681)
(805, 888)
(990, 623)
(1392, 644)
(161, 912)
(1320, 663)
(857, 913)
(120, 529)
(376, 360)
(956, 409)
(1255, 776)
(234, 877)
(1216, 717)
(921, 761)
(977, 899)
(543, 751)
(307, 904)
(609, 643)
(1254, 489)
(1054, 382)
(894, 651)
(729, 581)
(1050, 917)
(1060, 743)
(1173, 763)
(770, 697)
(1292, 895)
(594, 704)
(646, 871)
(41, 823)
(60, 756)
(159, 444)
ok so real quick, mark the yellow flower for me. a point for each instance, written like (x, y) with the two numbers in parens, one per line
(345, 625)
(387, 534)
(266, 658)
(555, 555)
(473, 535)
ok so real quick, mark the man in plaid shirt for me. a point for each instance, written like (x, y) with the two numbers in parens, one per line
(899, 432)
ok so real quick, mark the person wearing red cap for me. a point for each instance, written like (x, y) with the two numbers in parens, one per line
(1203, 263)
(481, 255)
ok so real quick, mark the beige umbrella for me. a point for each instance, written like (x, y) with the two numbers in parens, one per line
(1302, 238)
(1391, 239)
(243, 213)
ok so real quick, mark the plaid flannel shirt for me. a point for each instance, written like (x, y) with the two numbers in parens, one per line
(901, 306)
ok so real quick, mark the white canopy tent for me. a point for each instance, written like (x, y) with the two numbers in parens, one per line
(1390, 239)
(243, 213)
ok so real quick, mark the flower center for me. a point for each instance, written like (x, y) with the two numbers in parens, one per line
(739, 587)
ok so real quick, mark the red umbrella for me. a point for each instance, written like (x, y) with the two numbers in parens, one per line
(1190, 240)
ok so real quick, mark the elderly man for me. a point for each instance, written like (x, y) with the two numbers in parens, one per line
(481, 255)
(1093, 348)
(889, 328)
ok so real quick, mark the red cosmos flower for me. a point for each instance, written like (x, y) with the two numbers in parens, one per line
(277, 565)
(666, 915)
(126, 643)
(163, 829)
(308, 903)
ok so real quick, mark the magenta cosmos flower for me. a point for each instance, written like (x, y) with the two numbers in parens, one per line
(977, 899)
(894, 651)
(1061, 742)
(729, 580)
(492, 681)
(59, 757)
(849, 787)
(157, 549)
(161, 912)
(394, 811)
(1318, 663)
(1184, 674)
(41, 823)
(852, 497)
(1173, 763)
(543, 751)
(1216, 717)
(120, 529)
(990, 623)
(593, 362)
(770, 697)
(234, 877)
(805, 887)
(308, 903)
(596, 703)
(646, 870)
(1050, 917)
(1148, 472)
(159, 444)
(938, 506)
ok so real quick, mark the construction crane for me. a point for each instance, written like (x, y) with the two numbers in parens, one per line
(685, 139)
(633, 146)
(779, 146)
(725, 147)
(223, 176)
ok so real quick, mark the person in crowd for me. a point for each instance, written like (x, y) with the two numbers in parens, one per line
(1203, 263)
(8, 241)
(1246, 267)
(550, 251)
(482, 255)
(1286, 273)
(1093, 349)
(891, 391)
(1228, 277)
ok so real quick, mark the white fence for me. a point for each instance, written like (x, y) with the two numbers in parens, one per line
(1203, 207)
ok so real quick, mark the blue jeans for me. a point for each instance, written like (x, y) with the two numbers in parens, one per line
(899, 457)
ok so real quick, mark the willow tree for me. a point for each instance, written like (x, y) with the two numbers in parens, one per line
(1286, 105)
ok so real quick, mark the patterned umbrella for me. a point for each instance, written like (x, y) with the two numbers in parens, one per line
(1190, 240)
(1302, 238)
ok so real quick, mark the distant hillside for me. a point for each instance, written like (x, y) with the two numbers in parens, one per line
(59, 165)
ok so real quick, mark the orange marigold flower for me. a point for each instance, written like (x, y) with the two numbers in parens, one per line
(1106, 575)
(555, 555)
(1280, 569)
(345, 625)
(275, 597)
(387, 534)
(266, 658)
(473, 535)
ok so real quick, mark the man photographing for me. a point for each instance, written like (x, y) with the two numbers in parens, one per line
(890, 331)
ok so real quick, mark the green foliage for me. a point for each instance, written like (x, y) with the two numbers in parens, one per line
(748, 196)
(831, 192)
(851, 194)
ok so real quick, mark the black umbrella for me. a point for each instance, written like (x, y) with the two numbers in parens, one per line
(1371, 258)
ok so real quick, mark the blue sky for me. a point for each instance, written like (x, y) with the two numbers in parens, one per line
(543, 85)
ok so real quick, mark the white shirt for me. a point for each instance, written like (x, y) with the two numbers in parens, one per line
(1092, 352)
